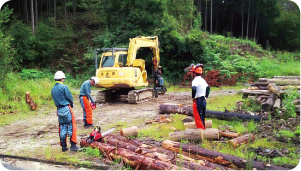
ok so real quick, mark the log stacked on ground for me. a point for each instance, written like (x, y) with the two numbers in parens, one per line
(135, 160)
(197, 152)
(270, 92)
(132, 131)
(245, 139)
(191, 125)
(209, 113)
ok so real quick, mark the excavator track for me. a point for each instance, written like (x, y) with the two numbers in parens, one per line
(139, 96)
(103, 96)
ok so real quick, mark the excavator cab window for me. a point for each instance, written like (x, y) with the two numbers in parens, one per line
(107, 61)
(122, 59)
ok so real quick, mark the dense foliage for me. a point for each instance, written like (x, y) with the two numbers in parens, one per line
(65, 35)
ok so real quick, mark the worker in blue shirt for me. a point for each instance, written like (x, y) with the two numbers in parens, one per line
(85, 100)
(63, 100)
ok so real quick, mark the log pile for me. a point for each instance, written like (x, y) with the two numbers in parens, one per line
(171, 156)
(270, 92)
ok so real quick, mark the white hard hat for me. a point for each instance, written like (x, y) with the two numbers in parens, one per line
(59, 75)
(96, 80)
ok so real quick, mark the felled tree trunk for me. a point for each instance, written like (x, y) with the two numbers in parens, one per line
(197, 152)
(135, 160)
(245, 139)
(280, 81)
(213, 114)
(190, 135)
(126, 132)
(228, 134)
(269, 103)
(275, 89)
(191, 125)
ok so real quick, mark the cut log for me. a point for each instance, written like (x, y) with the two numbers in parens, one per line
(260, 84)
(169, 108)
(217, 114)
(228, 134)
(32, 105)
(27, 97)
(190, 135)
(152, 153)
(191, 125)
(245, 139)
(269, 103)
(289, 87)
(277, 104)
(188, 119)
(288, 77)
(257, 92)
(197, 152)
(136, 161)
(296, 102)
(280, 81)
(275, 89)
(211, 134)
(132, 131)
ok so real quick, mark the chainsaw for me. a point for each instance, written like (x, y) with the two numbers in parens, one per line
(96, 135)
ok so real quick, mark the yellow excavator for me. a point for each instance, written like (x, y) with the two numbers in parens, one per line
(120, 73)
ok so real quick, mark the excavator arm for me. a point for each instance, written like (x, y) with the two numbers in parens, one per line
(138, 42)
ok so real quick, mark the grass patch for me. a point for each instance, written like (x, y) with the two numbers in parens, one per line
(220, 103)
(161, 131)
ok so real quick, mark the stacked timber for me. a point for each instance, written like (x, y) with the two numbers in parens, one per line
(170, 156)
(270, 92)
(146, 157)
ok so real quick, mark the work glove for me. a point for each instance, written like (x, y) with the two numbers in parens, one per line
(71, 104)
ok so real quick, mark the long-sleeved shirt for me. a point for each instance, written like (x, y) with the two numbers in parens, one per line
(61, 94)
(85, 90)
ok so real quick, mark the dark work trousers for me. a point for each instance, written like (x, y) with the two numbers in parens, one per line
(201, 106)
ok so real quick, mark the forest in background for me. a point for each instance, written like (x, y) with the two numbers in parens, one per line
(248, 37)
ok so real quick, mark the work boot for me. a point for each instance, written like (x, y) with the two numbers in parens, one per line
(85, 122)
(64, 146)
(73, 146)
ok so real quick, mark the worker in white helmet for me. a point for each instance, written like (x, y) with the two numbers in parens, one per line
(85, 100)
(63, 100)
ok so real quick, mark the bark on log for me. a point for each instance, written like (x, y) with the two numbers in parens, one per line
(277, 104)
(296, 102)
(245, 139)
(216, 114)
(211, 134)
(132, 131)
(152, 153)
(190, 135)
(191, 125)
(280, 81)
(136, 161)
(289, 87)
(275, 89)
(188, 119)
(288, 77)
(257, 92)
(260, 84)
(269, 103)
(228, 134)
(32, 105)
(197, 152)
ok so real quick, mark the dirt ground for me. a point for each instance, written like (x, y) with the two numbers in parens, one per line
(34, 136)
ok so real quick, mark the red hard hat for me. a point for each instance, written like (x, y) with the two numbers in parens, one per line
(198, 70)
